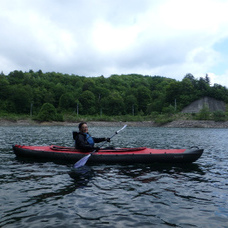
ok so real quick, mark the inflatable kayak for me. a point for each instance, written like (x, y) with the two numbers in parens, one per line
(119, 155)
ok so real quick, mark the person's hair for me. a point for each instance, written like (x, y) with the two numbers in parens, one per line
(80, 125)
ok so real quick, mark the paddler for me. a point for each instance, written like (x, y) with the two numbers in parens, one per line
(84, 141)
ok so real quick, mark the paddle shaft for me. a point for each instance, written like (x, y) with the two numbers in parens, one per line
(111, 137)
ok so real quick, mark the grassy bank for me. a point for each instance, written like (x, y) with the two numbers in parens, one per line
(157, 118)
(174, 121)
(78, 118)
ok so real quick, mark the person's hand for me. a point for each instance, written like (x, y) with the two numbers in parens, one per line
(97, 149)
(108, 139)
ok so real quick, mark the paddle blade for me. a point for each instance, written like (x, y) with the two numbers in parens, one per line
(82, 161)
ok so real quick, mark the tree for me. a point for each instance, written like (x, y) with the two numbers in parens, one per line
(190, 77)
(131, 104)
(113, 104)
(87, 100)
(157, 102)
(16, 77)
(89, 84)
(48, 113)
(204, 113)
(58, 90)
(67, 102)
(207, 79)
(4, 88)
(21, 98)
(143, 97)
(219, 116)
(173, 91)
(203, 86)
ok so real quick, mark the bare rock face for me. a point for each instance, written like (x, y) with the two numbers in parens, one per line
(211, 103)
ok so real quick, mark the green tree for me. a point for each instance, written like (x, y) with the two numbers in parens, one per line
(190, 77)
(89, 84)
(203, 87)
(204, 113)
(207, 79)
(131, 104)
(15, 77)
(87, 100)
(113, 104)
(219, 116)
(157, 102)
(173, 91)
(169, 110)
(48, 113)
(21, 98)
(143, 97)
(4, 88)
(67, 102)
(48, 97)
(57, 90)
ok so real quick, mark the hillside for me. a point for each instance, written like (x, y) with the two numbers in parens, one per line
(52, 96)
(211, 103)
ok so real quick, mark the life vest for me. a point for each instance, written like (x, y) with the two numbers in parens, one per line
(89, 139)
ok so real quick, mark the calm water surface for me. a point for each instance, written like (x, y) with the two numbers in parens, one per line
(48, 194)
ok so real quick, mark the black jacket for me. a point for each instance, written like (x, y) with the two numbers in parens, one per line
(82, 144)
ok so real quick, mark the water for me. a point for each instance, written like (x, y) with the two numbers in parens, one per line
(48, 194)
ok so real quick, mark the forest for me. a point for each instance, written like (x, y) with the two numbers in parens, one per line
(133, 94)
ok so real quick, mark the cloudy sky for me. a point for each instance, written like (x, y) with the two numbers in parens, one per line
(168, 38)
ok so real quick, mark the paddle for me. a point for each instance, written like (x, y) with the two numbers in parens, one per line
(83, 160)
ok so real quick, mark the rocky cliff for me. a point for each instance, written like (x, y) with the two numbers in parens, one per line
(211, 103)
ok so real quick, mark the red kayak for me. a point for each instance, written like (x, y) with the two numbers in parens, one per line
(119, 155)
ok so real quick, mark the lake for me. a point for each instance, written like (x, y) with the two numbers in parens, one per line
(50, 194)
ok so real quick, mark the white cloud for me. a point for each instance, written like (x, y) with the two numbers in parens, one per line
(102, 37)
(218, 79)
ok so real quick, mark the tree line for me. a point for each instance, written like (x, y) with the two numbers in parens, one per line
(132, 94)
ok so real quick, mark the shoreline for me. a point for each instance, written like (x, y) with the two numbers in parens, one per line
(173, 124)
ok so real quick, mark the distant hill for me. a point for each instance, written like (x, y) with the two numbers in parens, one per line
(213, 105)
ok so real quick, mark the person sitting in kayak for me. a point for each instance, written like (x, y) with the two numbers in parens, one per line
(84, 141)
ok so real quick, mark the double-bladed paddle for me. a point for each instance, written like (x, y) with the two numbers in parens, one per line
(83, 160)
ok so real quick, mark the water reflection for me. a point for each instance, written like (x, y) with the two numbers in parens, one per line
(81, 175)
(136, 172)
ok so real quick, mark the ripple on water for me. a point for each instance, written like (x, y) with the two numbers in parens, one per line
(55, 195)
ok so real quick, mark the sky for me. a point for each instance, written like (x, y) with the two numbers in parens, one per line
(168, 38)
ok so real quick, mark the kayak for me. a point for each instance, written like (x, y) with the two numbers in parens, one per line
(110, 155)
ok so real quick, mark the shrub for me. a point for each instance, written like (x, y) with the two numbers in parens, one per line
(48, 113)
(219, 116)
(204, 113)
